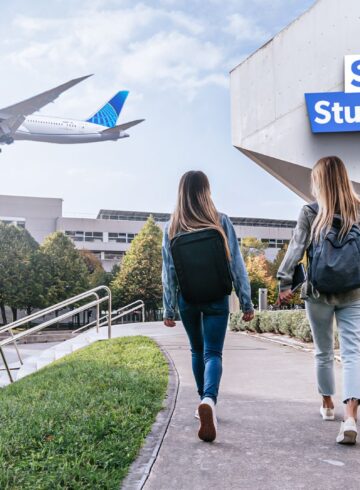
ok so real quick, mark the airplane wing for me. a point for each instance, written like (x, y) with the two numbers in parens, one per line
(12, 117)
(122, 127)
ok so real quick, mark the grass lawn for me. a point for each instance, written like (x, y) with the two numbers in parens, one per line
(80, 422)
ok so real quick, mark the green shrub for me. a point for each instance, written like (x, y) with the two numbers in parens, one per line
(286, 322)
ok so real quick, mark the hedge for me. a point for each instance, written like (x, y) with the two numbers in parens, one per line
(286, 322)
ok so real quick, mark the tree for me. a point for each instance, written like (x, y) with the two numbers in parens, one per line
(140, 271)
(260, 277)
(65, 266)
(274, 266)
(20, 284)
(252, 246)
(97, 275)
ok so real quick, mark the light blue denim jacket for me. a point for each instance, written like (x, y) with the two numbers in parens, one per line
(237, 266)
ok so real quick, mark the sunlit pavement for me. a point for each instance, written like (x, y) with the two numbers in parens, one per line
(270, 433)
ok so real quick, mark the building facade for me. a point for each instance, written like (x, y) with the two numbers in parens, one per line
(273, 123)
(110, 234)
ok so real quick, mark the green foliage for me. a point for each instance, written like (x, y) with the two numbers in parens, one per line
(66, 268)
(274, 266)
(80, 422)
(287, 322)
(251, 246)
(140, 272)
(21, 269)
(97, 275)
(260, 277)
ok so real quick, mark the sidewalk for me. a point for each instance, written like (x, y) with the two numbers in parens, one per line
(265, 441)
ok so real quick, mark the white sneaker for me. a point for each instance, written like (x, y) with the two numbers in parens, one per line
(327, 413)
(208, 422)
(348, 432)
(196, 414)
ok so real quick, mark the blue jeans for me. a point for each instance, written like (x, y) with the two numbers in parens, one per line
(205, 325)
(321, 317)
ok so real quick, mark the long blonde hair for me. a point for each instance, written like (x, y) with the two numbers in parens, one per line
(334, 192)
(195, 208)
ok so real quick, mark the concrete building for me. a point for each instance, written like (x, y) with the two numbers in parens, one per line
(271, 123)
(109, 235)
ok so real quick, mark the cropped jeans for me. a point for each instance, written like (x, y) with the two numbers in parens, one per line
(205, 325)
(321, 317)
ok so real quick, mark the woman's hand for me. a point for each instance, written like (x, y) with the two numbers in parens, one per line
(248, 316)
(168, 322)
(284, 297)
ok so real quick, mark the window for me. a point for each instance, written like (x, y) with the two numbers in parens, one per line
(87, 236)
(93, 236)
(113, 255)
(275, 242)
(130, 237)
(19, 222)
(117, 237)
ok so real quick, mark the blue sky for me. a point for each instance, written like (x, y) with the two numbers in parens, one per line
(174, 57)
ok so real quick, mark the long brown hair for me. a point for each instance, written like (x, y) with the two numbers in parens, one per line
(334, 192)
(195, 208)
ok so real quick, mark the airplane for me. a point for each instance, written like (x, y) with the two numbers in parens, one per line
(18, 122)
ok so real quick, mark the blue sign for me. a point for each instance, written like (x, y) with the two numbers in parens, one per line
(334, 112)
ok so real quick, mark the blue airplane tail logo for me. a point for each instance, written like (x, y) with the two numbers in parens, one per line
(109, 113)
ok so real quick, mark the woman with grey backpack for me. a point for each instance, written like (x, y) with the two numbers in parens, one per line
(328, 232)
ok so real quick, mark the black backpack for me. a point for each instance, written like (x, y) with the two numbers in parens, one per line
(201, 265)
(334, 265)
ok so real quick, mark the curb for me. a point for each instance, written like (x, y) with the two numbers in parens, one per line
(298, 345)
(140, 469)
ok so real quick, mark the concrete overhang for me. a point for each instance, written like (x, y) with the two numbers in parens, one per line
(270, 123)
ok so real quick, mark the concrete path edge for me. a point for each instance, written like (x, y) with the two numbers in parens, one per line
(140, 469)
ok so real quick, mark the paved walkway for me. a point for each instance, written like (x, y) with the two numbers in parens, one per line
(270, 434)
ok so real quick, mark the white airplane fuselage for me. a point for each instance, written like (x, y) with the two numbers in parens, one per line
(64, 131)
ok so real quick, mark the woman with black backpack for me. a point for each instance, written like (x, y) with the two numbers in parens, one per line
(201, 263)
(328, 231)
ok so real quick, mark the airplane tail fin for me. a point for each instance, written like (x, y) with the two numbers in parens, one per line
(109, 113)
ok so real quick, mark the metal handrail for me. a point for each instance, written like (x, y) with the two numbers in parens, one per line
(51, 309)
(58, 306)
(141, 305)
(116, 315)
(46, 311)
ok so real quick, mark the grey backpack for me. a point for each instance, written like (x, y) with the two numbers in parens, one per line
(334, 265)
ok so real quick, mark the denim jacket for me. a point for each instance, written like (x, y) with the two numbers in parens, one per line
(237, 266)
(300, 242)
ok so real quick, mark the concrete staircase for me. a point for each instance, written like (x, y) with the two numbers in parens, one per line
(47, 356)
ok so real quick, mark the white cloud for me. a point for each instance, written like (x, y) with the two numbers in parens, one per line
(131, 46)
(172, 58)
(244, 28)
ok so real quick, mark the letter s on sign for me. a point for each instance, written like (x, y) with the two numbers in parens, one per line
(320, 108)
(355, 68)
(352, 73)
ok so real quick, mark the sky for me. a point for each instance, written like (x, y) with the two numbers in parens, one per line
(174, 56)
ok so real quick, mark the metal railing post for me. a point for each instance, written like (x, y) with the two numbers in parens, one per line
(143, 313)
(6, 365)
(16, 348)
(97, 317)
(110, 313)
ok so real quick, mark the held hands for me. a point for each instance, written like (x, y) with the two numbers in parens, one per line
(284, 297)
(169, 323)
